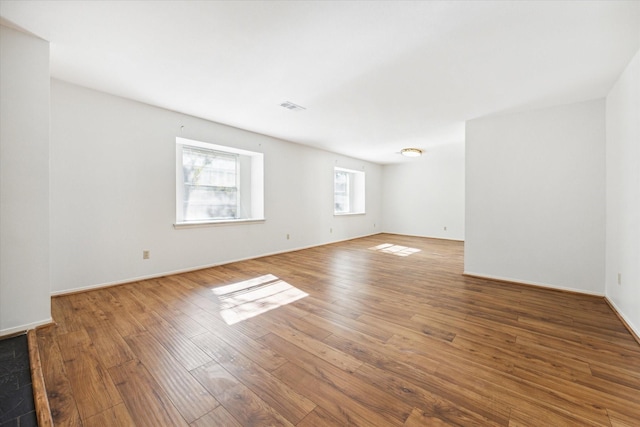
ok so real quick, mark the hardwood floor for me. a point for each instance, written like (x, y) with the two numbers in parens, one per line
(378, 331)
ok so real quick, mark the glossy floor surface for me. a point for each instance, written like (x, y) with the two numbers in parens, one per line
(379, 331)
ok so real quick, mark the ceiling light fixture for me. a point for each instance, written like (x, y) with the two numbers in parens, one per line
(411, 152)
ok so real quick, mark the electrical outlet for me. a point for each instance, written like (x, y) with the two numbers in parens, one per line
(331, 230)
(445, 228)
(619, 278)
(146, 254)
(287, 236)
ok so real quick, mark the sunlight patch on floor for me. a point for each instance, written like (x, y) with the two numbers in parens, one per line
(250, 298)
(398, 250)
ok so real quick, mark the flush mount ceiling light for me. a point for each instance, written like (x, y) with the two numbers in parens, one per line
(291, 106)
(411, 152)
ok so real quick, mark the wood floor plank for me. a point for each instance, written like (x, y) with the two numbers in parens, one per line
(117, 416)
(596, 338)
(250, 410)
(439, 398)
(385, 405)
(215, 378)
(534, 416)
(179, 346)
(534, 347)
(109, 344)
(621, 420)
(92, 387)
(213, 322)
(620, 358)
(616, 375)
(505, 359)
(65, 317)
(62, 402)
(253, 349)
(84, 308)
(343, 408)
(243, 404)
(126, 296)
(463, 328)
(117, 314)
(277, 318)
(372, 329)
(432, 405)
(390, 333)
(147, 402)
(278, 395)
(386, 354)
(171, 311)
(218, 417)
(587, 395)
(349, 312)
(186, 393)
(419, 418)
(338, 358)
(523, 394)
(319, 418)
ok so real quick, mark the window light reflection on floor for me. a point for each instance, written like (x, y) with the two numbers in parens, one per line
(249, 298)
(398, 250)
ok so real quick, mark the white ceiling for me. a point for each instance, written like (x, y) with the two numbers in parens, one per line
(374, 77)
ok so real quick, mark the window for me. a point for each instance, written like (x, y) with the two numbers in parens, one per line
(348, 191)
(216, 183)
(341, 191)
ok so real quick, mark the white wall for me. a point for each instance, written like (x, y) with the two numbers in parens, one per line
(113, 193)
(24, 181)
(426, 195)
(623, 194)
(535, 197)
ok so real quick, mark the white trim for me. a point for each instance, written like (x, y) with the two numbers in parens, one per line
(202, 267)
(540, 285)
(339, 168)
(194, 224)
(216, 147)
(424, 236)
(25, 328)
(622, 315)
(349, 213)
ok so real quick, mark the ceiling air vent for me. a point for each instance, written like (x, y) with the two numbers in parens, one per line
(291, 106)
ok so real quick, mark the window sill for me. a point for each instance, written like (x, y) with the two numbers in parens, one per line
(349, 213)
(196, 224)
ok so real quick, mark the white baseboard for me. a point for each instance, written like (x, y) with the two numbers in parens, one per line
(627, 322)
(424, 236)
(540, 285)
(196, 268)
(25, 328)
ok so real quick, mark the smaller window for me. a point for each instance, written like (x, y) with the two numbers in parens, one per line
(348, 192)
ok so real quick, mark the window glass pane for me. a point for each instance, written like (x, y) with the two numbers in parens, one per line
(210, 184)
(341, 191)
(348, 191)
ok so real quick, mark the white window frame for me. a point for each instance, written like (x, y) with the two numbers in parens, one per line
(249, 183)
(355, 192)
